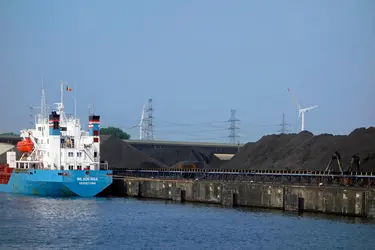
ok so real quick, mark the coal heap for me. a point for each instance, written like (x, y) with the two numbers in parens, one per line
(304, 151)
(120, 154)
(172, 156)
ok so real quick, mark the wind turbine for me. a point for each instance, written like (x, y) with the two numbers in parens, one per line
(142, 125)
(301, 111)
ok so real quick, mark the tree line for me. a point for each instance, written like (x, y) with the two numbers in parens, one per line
(117, 132)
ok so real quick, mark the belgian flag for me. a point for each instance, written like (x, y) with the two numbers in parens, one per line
(68, 89)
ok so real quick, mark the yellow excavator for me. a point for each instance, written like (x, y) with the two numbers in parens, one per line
(190, 165)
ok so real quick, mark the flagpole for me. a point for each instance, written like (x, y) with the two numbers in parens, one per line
(75, 124)
(75, 100)
(62, 91)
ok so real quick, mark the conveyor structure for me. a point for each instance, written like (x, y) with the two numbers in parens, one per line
(364, 179)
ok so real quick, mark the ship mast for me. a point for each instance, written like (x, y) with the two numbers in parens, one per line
(60, 106)
(62, 92)
(41, 117)
(75, 102)
(43, 105)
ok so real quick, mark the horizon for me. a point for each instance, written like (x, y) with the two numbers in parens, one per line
(2, 134)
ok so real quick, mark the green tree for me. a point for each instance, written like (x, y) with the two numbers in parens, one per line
(9, 134)
(117, 132)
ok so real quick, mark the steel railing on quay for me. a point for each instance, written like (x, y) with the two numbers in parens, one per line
(364, 179)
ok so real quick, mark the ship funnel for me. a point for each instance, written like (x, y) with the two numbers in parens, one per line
(54, 123)
(94, 127)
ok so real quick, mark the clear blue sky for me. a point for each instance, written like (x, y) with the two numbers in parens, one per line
(197, 60)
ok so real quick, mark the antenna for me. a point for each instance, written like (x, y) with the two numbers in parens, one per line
(60, 106)
(284, 125)
(43, 114)
(91, 109)
(150, 130)
(301, 111)
(31, 115)
(43, 103)
(75, 101)
(232, 128)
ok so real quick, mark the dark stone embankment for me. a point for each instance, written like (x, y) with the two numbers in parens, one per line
(358, 202)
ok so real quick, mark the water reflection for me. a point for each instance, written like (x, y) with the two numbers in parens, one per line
(128, 223)
(276, 212)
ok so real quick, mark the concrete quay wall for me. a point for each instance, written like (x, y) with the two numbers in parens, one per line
(298, 198)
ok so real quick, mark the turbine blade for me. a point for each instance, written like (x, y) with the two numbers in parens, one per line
(310, 108)
(294, 99)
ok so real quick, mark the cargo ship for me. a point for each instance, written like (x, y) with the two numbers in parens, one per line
(57, 157)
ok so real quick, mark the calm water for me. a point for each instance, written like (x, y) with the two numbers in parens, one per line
(115, 223)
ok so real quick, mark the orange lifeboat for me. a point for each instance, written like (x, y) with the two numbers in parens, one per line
(25, 146)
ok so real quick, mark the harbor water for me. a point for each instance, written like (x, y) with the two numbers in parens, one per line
(29, 222)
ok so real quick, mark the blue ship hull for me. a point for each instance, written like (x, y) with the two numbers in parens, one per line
(57, 183)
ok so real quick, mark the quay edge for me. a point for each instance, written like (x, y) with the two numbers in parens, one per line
(348, 201)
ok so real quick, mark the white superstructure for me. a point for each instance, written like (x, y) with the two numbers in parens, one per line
(59, 143)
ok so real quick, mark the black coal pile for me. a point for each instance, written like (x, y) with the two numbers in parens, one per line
(304, 151)
(362, 143)
(174, 156)
(120, 154)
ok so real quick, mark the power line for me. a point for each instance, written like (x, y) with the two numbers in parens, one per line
(259, 125)
(184, 132)
(183, 128)
(201, 131)
(232, 128)
(193, 124)
(211, 124)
